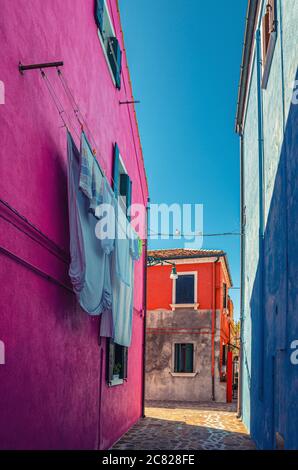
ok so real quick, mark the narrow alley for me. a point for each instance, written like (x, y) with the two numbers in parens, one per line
(190, 426)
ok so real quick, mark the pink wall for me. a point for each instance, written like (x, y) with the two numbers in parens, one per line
(51, 384)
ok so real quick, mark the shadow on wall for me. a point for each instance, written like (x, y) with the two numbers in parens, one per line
(274, 301)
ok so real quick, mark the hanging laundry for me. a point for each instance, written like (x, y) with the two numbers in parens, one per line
(91, 177)
(106, 229)
(122, 306)
(86, 167)
(122, 249)
(90, 266)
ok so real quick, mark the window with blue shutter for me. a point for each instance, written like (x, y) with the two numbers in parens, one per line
(122, 183)
(183, 358)
(99, 13)
(115, 58)
(185, 289)
(109, 41)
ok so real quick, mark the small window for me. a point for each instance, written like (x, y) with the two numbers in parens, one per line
(225, 296)
(183, 358)
(185, 289)
(224, 354)
(116, 363)
(122, 184)
(269, 29)
(108, 40)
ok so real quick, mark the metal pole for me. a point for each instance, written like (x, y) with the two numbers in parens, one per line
(45, 65)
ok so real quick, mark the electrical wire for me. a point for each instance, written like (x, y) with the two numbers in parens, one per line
(200, 234)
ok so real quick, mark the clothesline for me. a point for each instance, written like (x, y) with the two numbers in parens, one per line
(61, 111)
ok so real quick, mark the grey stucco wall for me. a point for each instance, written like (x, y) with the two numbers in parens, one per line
(161, 337)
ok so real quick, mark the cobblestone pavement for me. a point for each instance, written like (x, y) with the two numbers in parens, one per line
(187, 426)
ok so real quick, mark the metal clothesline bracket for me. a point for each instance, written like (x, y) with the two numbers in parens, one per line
(45, 65)
(129, 102)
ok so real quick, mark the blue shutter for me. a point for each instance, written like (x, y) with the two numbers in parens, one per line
(115, 59)
(99, 12)
(125, 190)
(124, 184)
(128, 196)
(116, 171)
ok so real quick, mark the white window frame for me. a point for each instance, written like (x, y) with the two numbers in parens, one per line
(106, 9)
(184, 374)
(194, 305)
(267, 61)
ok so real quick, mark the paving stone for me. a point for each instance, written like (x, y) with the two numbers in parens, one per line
(188, 426)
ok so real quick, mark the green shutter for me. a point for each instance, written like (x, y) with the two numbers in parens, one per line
(110, 352)
(124, 184)
(115, 59)
(123, 373)
(125, 190)
(99, 12)
(189, 358)
(116, 171)
(177, 367)
(128, 197)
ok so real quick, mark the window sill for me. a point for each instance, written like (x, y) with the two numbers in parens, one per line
(106, 56)
(268, 60)
(183, 374)
(193, 306)
(116, 381)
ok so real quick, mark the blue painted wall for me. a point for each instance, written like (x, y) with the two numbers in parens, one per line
(270, 269)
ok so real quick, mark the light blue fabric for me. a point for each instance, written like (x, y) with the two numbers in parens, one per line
(122, 307)
(91, 177)
(90, 266)
(122, 247)
(86, 167)
(108, 199)
(97, 187)
(123, 301)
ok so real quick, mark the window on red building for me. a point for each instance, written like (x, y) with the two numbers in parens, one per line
(183, 358)
(185, 289)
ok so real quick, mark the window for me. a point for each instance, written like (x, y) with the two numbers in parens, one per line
(185, 289)
(224, 354)
(116, 363)
(109, 41)
(183, 358)
(122, 183)
(269, 29)
(225, 297)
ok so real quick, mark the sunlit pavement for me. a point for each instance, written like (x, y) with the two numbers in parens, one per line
(187, 426)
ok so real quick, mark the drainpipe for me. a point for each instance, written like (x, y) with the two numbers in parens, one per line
(242, 248)
(213, 328)
(145, 308)
(261, 209)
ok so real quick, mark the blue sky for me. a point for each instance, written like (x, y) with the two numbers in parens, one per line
(184, 60)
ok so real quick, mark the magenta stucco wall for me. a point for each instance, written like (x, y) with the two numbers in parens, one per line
(53, 393)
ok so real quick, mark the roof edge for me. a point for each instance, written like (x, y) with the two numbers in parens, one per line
(252, 9)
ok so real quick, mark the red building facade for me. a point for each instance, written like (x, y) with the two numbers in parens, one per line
(189, 318)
